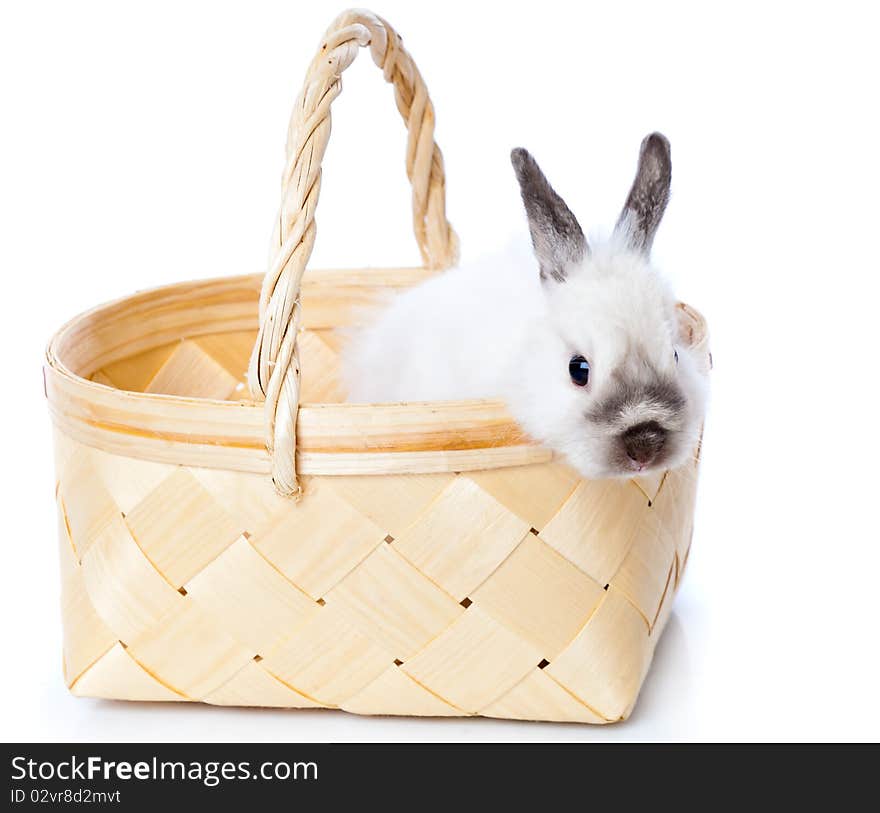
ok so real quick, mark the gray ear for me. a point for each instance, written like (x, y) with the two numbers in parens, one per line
(556, 235)
(649, 195)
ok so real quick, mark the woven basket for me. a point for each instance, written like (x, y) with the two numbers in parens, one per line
(416, 559)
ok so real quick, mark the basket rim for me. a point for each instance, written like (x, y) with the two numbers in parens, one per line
(343, 438)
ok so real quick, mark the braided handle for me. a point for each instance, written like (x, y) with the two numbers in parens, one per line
(273, 373)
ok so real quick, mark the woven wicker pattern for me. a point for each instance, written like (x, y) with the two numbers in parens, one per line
(274, 368)
(522, 592)
(439, 562)
(216, 367)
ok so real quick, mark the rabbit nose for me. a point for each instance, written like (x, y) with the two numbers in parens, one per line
(644, 441)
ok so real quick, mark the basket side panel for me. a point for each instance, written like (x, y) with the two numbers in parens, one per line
(479, 593)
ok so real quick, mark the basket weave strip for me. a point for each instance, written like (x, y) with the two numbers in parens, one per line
(274, 372)
(445, 594)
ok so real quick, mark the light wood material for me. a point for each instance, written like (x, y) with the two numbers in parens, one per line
(102, 368)
(438, 562)
(171, 590)
(275, 368)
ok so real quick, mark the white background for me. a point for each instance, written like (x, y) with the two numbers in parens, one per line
(142, 144)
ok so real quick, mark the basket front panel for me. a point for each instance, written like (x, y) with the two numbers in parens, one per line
(521, 593)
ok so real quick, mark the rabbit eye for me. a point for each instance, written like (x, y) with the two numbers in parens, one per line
(579, 370)
(675, 352)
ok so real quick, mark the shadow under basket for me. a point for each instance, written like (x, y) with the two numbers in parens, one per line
(243, 538)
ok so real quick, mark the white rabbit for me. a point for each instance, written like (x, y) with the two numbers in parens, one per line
(585, 349)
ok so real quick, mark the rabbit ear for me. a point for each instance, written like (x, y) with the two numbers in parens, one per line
(649, 195)
(556, 235)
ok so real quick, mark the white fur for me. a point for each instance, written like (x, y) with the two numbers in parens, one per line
(495, 329)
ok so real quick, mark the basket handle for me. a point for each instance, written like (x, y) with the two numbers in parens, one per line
(273, 373)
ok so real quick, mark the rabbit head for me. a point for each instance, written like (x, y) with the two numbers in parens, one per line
(603, 375)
